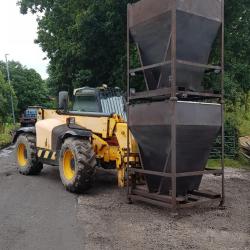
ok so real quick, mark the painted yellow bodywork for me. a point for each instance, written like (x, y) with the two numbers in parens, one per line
(97, 125)
(104, 129)
(44, 131)
(121, 135)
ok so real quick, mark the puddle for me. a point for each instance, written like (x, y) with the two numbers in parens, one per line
(7, 151)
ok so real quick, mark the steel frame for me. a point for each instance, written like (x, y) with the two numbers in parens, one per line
(172, 93)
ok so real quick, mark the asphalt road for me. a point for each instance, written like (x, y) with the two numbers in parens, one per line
(36, 213)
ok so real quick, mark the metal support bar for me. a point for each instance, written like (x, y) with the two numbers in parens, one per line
(173, 99)
(157, 65)
(199, 65)
(207, 194)
(151, 93)
(222, 105)
(201, 94)
(143, 68)
(128, 95)
(197, 173)
(165, 58)
(182, 203)
(144, 74)
(198, 202)
(151, 201)
(167, 92)
(160, 197)
(178, 175)
(142, 171)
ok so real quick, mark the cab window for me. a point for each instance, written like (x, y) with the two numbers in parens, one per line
(86, 103)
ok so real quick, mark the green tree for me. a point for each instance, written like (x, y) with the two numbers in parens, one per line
(85, 40)
(5, 105)
(237, 47)
(28, 85)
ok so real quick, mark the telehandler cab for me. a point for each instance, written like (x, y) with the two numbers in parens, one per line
(93, 134)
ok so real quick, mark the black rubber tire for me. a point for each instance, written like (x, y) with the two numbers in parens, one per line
(33, 165)
(85, 165)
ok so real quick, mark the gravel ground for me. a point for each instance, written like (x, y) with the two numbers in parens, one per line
(110, 223)
(37, 213)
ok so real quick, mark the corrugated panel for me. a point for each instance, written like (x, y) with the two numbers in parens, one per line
(113, 103)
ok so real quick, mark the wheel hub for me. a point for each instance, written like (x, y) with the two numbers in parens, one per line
(22, 155)
(69, 165)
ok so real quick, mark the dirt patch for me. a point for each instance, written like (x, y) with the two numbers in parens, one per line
(111, 223)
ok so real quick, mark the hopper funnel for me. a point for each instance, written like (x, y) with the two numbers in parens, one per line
(197, 126)
(197, 25)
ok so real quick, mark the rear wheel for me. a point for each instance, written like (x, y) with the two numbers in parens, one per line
(26, 156)
(77, 165)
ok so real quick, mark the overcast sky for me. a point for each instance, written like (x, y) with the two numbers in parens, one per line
(17, 35)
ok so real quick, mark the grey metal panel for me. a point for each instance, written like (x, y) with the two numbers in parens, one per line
(152, 38)
(187, 113)
(198, 114)
(210, 9)
(144, 10)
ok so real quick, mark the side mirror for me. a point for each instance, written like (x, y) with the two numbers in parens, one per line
(63, 100)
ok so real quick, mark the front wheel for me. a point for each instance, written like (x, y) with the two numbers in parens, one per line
(27, 160)
(77, 165)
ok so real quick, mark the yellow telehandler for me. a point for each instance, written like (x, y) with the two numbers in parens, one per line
(93, 134)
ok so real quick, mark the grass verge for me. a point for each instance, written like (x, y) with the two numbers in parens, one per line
(5, 135)
(240, 163)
